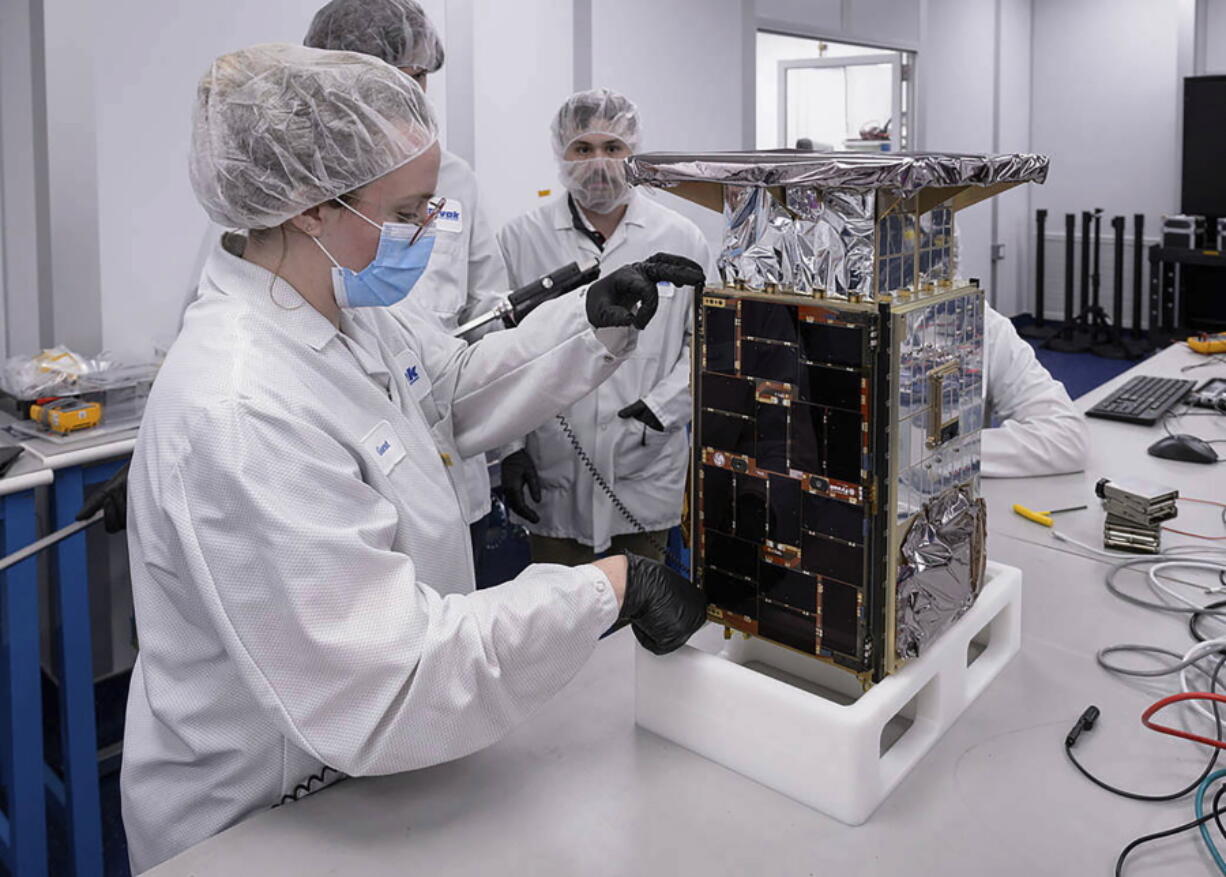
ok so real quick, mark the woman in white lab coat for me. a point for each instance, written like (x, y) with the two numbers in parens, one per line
(296, 537)
(466, 276)
(633, 427)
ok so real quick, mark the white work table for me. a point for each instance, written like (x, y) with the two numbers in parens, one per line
(26, 473)
(580, 790)
(107, 447)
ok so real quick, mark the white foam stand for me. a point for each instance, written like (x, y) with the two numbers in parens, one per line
(805, 729)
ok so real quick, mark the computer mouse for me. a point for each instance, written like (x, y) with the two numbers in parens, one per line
(1187, 448)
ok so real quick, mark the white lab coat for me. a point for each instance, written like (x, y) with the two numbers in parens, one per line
(293, 528)
(464, 279)
(645, 468)
(1041, 432)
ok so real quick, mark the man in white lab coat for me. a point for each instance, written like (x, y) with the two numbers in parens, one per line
(633, 427)
(1040, 431)
(466, 274)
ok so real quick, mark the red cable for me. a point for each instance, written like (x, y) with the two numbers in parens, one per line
(1176, 732)
(1199, 535)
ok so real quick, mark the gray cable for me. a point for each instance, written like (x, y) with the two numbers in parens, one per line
(1159, 607)
(1180, 661)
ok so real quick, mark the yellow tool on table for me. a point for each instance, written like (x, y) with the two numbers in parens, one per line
(1043, 518)
(66, 415)
(1208, 344)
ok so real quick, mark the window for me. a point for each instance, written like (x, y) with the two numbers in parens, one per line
(835, 95)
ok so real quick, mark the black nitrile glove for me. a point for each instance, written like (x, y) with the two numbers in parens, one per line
(518, 472)
(112, 498)
(628, 296)
(664, 607)
(640, 412)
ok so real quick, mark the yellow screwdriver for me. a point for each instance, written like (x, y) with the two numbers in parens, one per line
(1043, 518)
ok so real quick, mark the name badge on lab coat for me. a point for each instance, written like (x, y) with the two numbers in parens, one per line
(451, 219)
(381, 443)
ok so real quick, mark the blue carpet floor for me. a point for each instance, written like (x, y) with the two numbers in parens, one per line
(1079, 372)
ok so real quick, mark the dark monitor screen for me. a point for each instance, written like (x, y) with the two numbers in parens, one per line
(1204, 145)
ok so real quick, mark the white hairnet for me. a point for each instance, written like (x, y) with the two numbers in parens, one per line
(599, 110)
(279, 128)
(396, 31)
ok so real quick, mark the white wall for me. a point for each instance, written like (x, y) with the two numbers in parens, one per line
(523, 71)
(891, 24)
(129, 127)
(23, 220)
(1013, 285)
(3, 303)
(821, 16)
(150, 234)
(73, 93)
(150, 228)
(687, 100)
(1106, 97)
(1215, 36)
(955, 104)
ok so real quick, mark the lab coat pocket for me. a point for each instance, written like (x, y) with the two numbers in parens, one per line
(637, 452)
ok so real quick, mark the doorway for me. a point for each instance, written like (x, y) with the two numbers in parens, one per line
(824, 95)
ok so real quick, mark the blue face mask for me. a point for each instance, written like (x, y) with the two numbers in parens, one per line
(402, 257)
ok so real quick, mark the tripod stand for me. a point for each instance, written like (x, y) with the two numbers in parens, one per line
(1040, 327)
(1107, 340)
(1075, 334)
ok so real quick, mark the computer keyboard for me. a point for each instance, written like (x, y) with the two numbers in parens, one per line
(1142, 400)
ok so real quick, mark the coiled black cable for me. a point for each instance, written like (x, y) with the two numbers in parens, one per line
(613, 497)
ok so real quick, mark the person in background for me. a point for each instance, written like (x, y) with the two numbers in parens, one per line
(1039, 431)
(466, 274)
(299, 556)
(632, 427)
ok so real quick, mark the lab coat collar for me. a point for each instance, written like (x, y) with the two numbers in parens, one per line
(363, 343)
(270, 296)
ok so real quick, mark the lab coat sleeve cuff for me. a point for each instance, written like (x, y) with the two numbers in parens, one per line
(658, 411)
(509, 448)
(613, 341)
(607, 608)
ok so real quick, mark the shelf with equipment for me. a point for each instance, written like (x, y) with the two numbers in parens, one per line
(1178, 304)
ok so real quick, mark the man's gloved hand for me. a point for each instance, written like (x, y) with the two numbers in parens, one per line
(518, 472)
(628, 296)
(112, 499)
(640, 412)
(665, 608)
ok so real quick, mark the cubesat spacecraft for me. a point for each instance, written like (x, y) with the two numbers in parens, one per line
(838, 397)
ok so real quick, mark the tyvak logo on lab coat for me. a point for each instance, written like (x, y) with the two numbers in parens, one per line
(451, 219)
(415, 375)
(383, 445)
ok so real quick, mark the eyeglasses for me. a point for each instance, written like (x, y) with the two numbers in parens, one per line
(433, 209)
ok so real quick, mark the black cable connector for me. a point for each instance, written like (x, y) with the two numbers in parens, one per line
(1091, 715)
(1085, 723)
